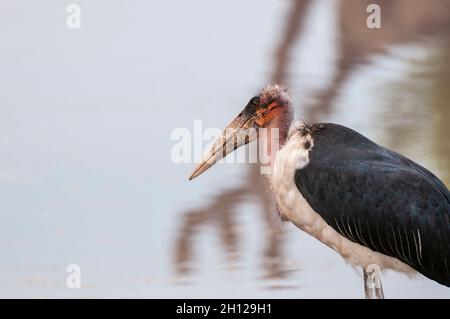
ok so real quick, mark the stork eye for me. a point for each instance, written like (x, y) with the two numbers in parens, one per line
(254, 101)
(252, 105)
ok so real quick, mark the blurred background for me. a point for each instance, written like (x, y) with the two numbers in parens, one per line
(86, 117)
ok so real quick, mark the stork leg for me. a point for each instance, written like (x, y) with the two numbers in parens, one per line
(372, 285)
(379, 292)
(369, 292)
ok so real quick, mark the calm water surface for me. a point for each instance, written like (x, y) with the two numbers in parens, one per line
(86, 118)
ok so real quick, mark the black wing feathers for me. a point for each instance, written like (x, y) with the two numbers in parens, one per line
(380, 199)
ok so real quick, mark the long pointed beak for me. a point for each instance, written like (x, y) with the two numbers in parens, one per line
(239, 132)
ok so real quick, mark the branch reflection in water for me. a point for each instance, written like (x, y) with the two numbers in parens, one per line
(403, 21)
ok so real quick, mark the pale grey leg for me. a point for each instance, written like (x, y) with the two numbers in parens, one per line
(369, 292)
(379, 291)
(372, 285)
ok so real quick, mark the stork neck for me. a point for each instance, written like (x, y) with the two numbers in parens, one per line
(283, 131)
(281, 126)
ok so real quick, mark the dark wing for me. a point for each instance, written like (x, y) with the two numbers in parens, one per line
(379, 199)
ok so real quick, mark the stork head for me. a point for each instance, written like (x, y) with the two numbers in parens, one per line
(271, 108)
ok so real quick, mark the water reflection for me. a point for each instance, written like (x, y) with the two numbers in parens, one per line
(439, 99)
(404, 21)
(425, 114)
(220, 212)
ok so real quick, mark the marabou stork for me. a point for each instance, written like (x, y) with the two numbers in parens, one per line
(370, 204)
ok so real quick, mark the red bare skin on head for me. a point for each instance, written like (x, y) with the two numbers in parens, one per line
(264, 116)
(275, 112)
(272, 105)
